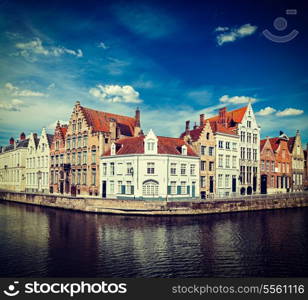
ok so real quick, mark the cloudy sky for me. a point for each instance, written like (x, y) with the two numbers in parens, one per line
(173, 59)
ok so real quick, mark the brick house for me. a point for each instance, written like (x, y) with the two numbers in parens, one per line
(58, 179)
(283, 163)
(296, 149)
(89, 134)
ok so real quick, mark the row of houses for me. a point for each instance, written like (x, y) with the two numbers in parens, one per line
(106, 155)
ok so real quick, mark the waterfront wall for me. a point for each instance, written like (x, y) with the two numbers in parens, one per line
(96, 205)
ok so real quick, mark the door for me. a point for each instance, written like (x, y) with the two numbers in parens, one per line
(233, 184)
(104, 189)
(263, 184)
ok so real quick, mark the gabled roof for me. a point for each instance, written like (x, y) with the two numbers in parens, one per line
(219, 128)
(291, 143)
(63, 130)
(235, 115)
(166, 145)
(262, 143)
(275, 143)
(100, 121)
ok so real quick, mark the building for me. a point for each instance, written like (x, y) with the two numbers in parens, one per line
(306, 168)
(37, 162)
(59, 171)
(150, 167)
(296, 149)
(244, 121)
(202, 140)
(267, 167)
(13, 164)
(89, 134)
(283, 165)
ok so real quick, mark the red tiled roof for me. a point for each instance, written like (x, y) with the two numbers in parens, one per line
(100, 121)
(291, 143)
(275, 143)
(166, 145)
(262, 143)
(63, 130)
(235, 115)
(216, 127)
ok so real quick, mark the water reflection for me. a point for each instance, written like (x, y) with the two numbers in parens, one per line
(48, 242)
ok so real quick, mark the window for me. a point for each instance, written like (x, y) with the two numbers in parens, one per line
(74, 126)
(111, 187)
(220, 180)
(119, 187)
(211, 151)
(242, 152)
(79, 158)
(73, 177)
(85, 140)
(150, 145)
(227, 181)
(78, 176)
(93, 176)
(227, 161)
(183, 188)
(220, 160)
(74, 142)
(129, 187)
(211, 166)
(234, 146)
(208, 136)
(203, 165)
(173, 187)
(203, 148)
(112, 168)
(192, 169)
(262, 165)
(84, 177)
(254, 138)
(173, 169)
(68, 143)
(233, 162)
(249, 153)
(79, 141)
(249, 124)
(254, 154)
(104, 170)
(227, 145)
(79, 125)
(273, 166)
(248, 174)
(202, 181)
(267, 166)
(150, 168)
(73, 158)
(242, 136)
(183, 169)
(150, 188)
(84, 157)
(93, 155)
(129, 168)
(248, 137)
(220, 144)
(68, 158)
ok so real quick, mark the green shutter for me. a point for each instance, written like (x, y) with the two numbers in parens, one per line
(179, 190)
(169, 190)
(132, 190)
(188, 190)
(123, 190)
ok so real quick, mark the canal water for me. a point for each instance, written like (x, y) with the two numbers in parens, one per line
(46, 242)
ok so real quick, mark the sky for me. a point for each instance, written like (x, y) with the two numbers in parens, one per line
(172, 59)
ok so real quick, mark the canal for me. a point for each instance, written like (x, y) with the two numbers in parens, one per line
(47, 242)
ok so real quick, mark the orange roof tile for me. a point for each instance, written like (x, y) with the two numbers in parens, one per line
(166, 145)
(100, 121)
(235, 115)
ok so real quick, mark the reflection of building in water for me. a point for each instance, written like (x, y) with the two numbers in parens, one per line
(72, 244)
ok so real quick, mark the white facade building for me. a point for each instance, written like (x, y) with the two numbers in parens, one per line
(13, 165)
(150, 167)
(227, 163)
(37, 163)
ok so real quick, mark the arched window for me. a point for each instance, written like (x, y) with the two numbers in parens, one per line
(150, 188)
(208, 136)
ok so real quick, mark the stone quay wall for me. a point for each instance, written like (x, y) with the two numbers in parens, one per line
(181, 207)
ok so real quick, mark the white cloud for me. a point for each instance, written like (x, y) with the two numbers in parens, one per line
(266, 111)
(236, 99)
(230, 35)
(102, 45)
(13, 105)
(28, 49)
(289, 112)
(220, 28)
(16, 91)
(115, 93)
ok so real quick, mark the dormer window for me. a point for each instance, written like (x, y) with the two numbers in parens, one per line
(184, 150)
(113, 149)
(150, 143)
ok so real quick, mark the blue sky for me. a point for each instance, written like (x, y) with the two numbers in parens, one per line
(173, 59)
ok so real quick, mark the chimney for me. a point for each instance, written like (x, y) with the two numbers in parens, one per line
(187, 127)
(195, 126)
(201, 119)
(223, 116)
(137, 117)
(11, 141)
(22, 136)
